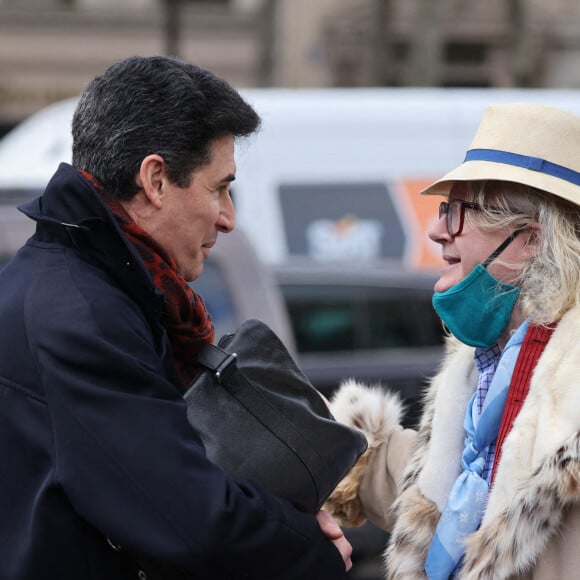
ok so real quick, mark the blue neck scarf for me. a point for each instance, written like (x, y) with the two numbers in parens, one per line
(467, 499)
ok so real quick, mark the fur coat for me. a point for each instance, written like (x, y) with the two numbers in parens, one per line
(531, 526)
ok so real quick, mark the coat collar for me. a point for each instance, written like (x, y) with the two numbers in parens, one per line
(68, 199)
(71, 212)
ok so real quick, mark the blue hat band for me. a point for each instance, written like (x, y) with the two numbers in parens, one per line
(524, 161)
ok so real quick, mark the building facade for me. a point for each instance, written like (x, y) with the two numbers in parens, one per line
(50, 48)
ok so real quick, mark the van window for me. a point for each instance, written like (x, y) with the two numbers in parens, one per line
(330, 318)
(338, 221)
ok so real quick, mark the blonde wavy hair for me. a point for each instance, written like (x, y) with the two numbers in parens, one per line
(550, 281)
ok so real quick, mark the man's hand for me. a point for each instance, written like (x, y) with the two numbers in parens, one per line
(333, 532)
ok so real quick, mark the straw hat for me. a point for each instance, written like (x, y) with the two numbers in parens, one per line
(525, 143)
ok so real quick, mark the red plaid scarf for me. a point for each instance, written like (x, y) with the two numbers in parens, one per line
(185, 317)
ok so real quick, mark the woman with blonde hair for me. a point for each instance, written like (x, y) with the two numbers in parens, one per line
(488, 486)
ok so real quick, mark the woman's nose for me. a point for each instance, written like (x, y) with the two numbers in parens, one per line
(438, 230)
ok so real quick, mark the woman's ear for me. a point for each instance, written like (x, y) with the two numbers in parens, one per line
(532, 243)
(150, 178)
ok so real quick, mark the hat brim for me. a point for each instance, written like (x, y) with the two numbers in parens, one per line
(490, 170)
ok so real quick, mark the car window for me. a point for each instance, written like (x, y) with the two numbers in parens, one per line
(12, 196)
(212, 286)
(333, 318)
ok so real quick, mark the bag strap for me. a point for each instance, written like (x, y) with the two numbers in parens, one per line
(219, 361)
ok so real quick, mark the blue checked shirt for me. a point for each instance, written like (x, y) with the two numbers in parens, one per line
(486, 361)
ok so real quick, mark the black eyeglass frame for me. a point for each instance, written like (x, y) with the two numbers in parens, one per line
(444, 210)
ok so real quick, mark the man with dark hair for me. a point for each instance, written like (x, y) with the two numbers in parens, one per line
(103, 476)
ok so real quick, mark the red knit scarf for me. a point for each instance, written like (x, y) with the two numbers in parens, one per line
(185, 318)
(532, 347)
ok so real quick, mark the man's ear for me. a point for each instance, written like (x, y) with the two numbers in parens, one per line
(150, 178)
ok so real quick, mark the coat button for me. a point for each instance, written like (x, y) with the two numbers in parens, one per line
(141, 575)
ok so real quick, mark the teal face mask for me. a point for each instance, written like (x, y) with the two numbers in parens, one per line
(478, 309)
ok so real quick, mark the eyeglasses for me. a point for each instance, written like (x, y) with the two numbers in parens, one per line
(454, 211)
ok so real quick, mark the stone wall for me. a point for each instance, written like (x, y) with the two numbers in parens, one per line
(50, 48)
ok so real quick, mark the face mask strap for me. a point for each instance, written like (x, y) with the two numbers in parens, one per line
(502, 247)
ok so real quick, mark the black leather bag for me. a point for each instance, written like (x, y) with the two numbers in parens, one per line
(260, 418)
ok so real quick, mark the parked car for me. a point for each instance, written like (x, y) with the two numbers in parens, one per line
(375, 324)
